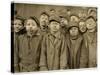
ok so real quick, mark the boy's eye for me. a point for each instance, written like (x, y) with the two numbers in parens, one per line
(28, 24)
(56, 23)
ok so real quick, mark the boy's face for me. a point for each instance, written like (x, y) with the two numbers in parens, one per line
(18, 25)
(74, 19)
(52, 12)
(54, 26)
(82, 26)
(93, 13)
(69, 12)
(74, 31)
(44, 20)
(90, 24)
(31, 26)
(64, 22)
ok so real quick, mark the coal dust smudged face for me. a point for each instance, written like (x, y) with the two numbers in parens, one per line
(54, 26)
(74, 31)
(44, 19)
(90, 24)
(18, 25)
(31, 26)
(64, 22)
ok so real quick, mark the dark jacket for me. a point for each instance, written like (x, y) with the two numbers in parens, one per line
(91, 44)
(29, 52)
(53, 52)
(78, 54)
(15, 39)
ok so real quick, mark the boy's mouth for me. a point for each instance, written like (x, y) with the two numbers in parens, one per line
(16, 29)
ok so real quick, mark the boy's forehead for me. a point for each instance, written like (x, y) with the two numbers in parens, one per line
(30, 20)
(54, 21)
(73, 16)
(44, 15)
(17, 20)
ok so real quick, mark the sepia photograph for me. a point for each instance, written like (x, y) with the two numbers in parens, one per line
(53, 37)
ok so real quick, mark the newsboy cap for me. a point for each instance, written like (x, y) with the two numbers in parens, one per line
(54, 18)
(73, 24)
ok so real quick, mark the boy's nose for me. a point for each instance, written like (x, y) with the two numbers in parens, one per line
(30, 27)
(16, 26)
(54, 25)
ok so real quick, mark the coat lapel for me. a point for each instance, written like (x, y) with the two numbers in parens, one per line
(54, 38)
(77, 45)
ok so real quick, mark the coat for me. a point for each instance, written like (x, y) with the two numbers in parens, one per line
(14, 42)
(53, 52)
(29, 52)
(77, 52)
(91, 44)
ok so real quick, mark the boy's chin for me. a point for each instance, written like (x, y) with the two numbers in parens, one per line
(16, 31)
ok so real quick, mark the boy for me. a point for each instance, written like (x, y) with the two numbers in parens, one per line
(29, 46)
(74, 18)
(91, 41)
(44, 20)
(82, 26)
(76, 47)
(93, 12)
(52, 12)
(18, 29)
(64, 24)
(53, 50)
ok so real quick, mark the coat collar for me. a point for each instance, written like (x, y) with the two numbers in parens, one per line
(57, 35)
(36, 34)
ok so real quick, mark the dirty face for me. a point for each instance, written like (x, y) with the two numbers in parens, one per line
(90, 24)
(31, 26)
(82, 26)
(74, 31)
(54, 26)
(64, 22)
(18, 25)
(52, 12)
(44, 20)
